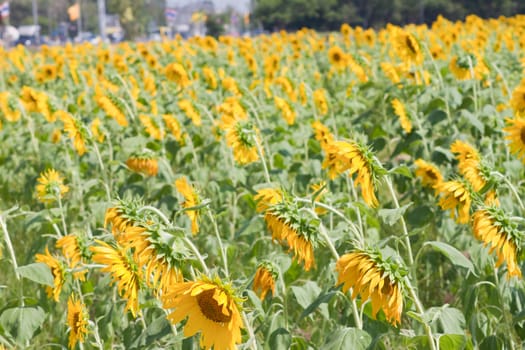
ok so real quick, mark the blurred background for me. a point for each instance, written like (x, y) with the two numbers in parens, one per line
(34, 22)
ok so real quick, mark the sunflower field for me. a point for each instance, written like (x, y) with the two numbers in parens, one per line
(351, 190)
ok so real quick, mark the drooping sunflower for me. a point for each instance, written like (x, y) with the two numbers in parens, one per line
(429, 174)
(209, 77)
(95, 130)
(58, 272)
(187, 107)
(400, 111)
(75, 131)
(145, 164)
(469, 164)
(321, 104)
(286, 225)
(112, 106)
(264, 280)
(176, 73)
(72, 251)
(50, 186)
(241, 137)
(515, 131)
(173, 125)
(191, 199)
(287, 111)
(151, 126)
(123, 271)
(372, 277)
(77, 320)
(456, 198)
(211, 308)
(358, 159)
(492, 226)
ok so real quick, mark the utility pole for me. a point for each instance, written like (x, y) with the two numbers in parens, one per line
(35, 18)
(102, 19)
(79, 20)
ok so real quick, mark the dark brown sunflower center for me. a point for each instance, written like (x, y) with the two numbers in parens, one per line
(210, 308)
(522, 135)
(410, 45)
(336, 57)
(432, 175)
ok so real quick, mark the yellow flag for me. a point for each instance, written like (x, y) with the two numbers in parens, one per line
(74, 12)
(128, 14)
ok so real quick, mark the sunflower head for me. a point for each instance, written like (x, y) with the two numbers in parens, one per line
(50, 186)
(515, 131)
(495, 229)
(212, 308)
(456, 196)
(265, 277)
(143, 163)
(294, 230)
(77, 320)
(429, 174)
(58, 272)
(373, 277)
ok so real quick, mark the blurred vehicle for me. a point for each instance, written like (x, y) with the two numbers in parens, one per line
(87, 37)
(29, 35)
(160, 33)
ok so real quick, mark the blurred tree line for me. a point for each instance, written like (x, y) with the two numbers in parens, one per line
(135, 15)
(330, 14)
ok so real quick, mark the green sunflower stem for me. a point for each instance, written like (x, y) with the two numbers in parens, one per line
(352, 226)
(261, 155)
(511, 188)
(221, 246)
(9, 245)
(421, 310)
(199, 256)
(252, 342)
(62, 216)
(402, 220)
(98, 341)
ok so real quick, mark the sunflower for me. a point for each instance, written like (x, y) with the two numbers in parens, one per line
(469, 164)
(191, 199)
(391, 72)
(322, 134)
(407, 48)
(287, 112)
(267, 197)
(515, 131)
(302, 94)
(286, 225)
(187, 107)
(172, 124)
(50, 186)
(400, 111)
(320, 102)
(176, 73)
(144, 165)
(29, 98)
(456, 197)
(151, 127)
(460, 70)
(123, 270)
(373, 278)
(71, 250)
(209, 77)
(264, 280)
(337, 57)
(112, 106)
(429, 174)
(492, 226)
(9, 107)
(95, 130)
(77, 320)
(342, 156)
(230, 84)
(517, 102)
(211, 308)
(75, 131)
(58, 272)
(241, 134)
(48, 72)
